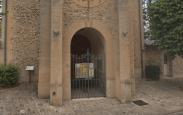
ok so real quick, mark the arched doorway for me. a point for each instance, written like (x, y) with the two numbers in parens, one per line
(88, 75)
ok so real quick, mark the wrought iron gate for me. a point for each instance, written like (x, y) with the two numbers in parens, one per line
(88, 77)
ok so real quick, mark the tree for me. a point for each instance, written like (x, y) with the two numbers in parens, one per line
(1, 14)
(166, 17)
(146, 12)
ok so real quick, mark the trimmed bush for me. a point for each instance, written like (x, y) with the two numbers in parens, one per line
(152, 72)
(8, 75)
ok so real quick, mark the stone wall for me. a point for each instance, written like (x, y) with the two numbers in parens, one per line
(26, 35)
(26, 28)
(178, 67)
(106, 13)
(156, 57)
(153, 56)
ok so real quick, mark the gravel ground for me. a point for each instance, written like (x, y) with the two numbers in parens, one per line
(163, 98)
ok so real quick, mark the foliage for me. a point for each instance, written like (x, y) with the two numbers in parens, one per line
(146, 12)
(8, 75)
(166, 17)
(1, 14)
(152, 72)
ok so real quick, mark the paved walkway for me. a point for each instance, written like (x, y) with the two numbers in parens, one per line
(163, 98)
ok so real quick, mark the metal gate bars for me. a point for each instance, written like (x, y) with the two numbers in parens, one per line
(88, 78)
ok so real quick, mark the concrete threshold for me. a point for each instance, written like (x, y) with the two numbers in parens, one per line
(89, 99)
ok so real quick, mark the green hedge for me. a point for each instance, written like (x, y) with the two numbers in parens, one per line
(152, 72)
(8, 75)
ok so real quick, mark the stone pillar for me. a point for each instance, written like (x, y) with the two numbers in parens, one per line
(136, 34)
(124, 51)
(9, 39)
(132, 14)
(56, 53)
(44, 54)
(135, 45)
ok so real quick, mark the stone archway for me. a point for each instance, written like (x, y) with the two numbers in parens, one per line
(88, 75)
(57, 67)
(54, 54)
(68, 33)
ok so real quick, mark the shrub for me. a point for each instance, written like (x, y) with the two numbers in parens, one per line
(152, 72)
(8, 75)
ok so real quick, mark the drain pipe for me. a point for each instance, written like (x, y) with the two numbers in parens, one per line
(142, 68)
(5, 32)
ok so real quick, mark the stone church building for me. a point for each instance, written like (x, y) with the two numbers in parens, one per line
(79, 48)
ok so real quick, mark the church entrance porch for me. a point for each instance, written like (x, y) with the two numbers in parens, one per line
(98, 39)
(88, 77)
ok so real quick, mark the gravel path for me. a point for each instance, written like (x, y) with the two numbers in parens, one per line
(163, 98)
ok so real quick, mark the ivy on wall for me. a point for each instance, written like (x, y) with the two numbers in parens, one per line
(166, 17)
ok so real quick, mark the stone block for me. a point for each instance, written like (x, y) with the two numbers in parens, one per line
(56, 46)
(44, 61)
(43, 90)
(56, 94)
(110, 74)
(137, 72)
(56, 12)
(66, 76)
(56, 3)
(125, 87)
(66, 89)
(110, 88)
(56, 62)
(109, 49)
(66, 70)
(53, 94)
(45, 30)
(124, 54)
(125, 61)
(66, 63)
(67, 37)
(132, 79)
(44, 74)
(66, 56)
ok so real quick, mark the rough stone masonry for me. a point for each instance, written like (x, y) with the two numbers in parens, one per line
(31, 41)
